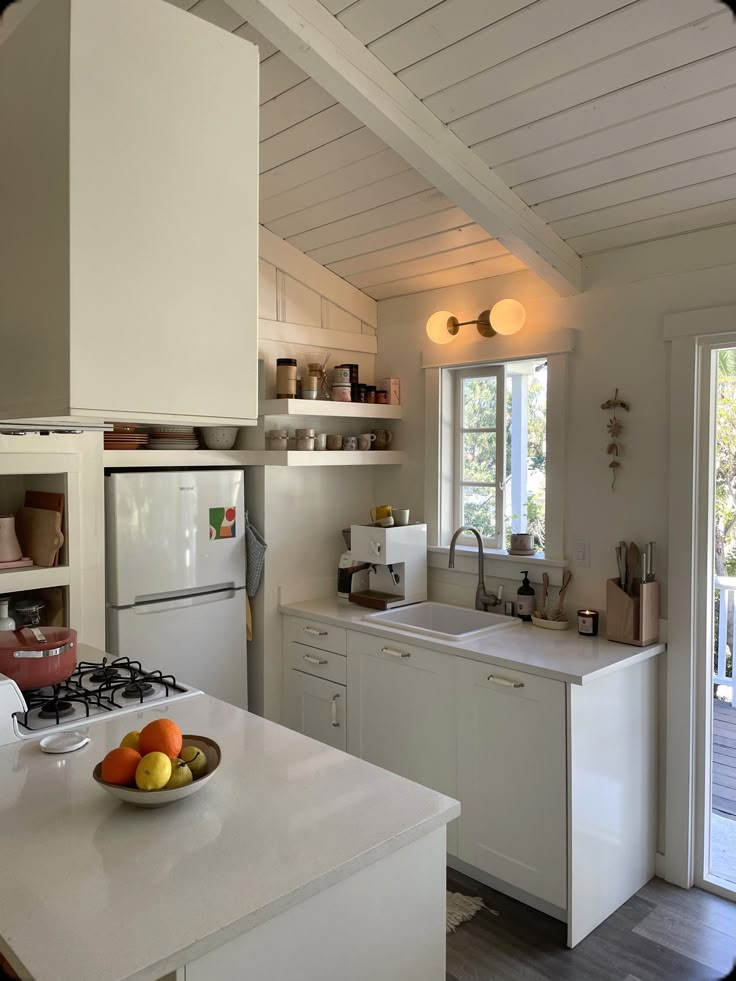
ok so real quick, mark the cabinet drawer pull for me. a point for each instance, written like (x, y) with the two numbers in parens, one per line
(505, 681)
(394, 653)
(315, 632)
(335, 723)
(315, 660)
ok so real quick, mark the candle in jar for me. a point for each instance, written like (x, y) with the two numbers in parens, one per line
(588, 623)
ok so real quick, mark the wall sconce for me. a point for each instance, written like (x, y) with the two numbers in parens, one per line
(505, 317)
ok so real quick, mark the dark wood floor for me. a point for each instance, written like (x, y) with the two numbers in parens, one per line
(661, 934)
(724, 759)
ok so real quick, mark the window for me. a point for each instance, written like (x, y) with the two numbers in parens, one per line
(498, 450)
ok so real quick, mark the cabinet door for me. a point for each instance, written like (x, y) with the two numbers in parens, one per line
(316, 708)
(512, 778)
(163, 162)
(401, 711)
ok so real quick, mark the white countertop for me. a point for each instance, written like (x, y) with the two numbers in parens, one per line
(95, 890)
(559, 654)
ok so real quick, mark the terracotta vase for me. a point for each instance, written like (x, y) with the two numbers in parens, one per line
(9, 547)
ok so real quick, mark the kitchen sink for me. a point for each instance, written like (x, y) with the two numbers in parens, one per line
(442, 621)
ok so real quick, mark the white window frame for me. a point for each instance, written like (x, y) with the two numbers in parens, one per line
(555, 347)
(458, 377)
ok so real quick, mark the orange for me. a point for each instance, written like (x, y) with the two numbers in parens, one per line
(160, 736)
(119, 766)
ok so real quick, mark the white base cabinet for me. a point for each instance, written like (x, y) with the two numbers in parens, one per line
(557, 782)
(512, 778)
(401, 713)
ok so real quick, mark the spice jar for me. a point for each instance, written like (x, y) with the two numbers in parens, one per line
(381, 396)
(370, 394)
(354, 373)
(286, 378)
(362, 393)
(341, 393)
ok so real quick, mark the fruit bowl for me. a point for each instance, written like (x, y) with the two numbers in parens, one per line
(161, 798)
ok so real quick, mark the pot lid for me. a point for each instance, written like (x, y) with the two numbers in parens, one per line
(35, 638)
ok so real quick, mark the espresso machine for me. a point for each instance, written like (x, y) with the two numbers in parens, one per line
(397, 564)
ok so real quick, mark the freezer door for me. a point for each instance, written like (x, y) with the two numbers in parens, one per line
(198, 639)
(173, 531)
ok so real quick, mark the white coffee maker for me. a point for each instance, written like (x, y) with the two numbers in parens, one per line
(397, 557)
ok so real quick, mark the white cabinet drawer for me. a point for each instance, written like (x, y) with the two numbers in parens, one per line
(312, 660)
(316, 634)
(396, 650)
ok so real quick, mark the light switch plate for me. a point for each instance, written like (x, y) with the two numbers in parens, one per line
(582, 553)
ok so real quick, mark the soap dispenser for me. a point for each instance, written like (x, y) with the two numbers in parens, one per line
(525, 599)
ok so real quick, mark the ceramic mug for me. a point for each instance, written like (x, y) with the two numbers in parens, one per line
(350, 442)
(334, 441)
(383, 439)
(320, 441)
(401, 516)
(365, 440)
(380, 511)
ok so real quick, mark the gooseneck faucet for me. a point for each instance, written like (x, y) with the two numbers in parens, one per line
(483, 600)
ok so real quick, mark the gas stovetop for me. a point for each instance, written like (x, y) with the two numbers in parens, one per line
(96, 689)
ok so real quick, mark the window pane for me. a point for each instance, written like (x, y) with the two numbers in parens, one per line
(479, 509)
(526, 449)
(479, 457)
(479, 403)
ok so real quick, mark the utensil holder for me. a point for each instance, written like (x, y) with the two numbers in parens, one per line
(632, 619)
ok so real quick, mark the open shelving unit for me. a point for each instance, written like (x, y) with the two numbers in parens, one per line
(316, 409)
(33, 577)
(137, 459)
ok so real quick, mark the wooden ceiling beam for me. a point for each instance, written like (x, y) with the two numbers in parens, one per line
(316, 41)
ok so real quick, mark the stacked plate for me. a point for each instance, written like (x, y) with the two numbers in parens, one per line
(125, 437)
(173, 438)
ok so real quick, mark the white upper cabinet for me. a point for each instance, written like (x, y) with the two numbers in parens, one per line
(129, 202)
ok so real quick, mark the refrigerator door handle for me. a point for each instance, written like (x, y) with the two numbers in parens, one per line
(161, 606)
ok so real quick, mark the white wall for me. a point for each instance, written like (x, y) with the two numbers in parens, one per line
(618, 325)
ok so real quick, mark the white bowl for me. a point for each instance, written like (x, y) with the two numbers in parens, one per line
(161, 798)
(551, 624)
(219, 437)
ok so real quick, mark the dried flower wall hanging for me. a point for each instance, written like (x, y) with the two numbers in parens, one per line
(614, 429)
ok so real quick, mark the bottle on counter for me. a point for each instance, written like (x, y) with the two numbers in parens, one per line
(286, 380)
(6, 621)
(526, 599)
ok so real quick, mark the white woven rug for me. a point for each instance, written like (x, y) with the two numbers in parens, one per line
(461, 908)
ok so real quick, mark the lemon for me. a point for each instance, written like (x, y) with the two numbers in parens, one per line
(181, 775)
(131, 740)
(153, 771)
(195, 760)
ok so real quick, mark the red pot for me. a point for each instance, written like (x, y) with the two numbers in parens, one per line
(35, 657)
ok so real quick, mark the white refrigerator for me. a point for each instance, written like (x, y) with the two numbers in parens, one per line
(176, 576)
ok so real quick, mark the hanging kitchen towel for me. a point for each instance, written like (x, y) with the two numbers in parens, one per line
(255, 548)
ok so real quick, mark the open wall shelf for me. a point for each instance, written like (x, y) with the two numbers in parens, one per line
(316, 409)
(140, 459)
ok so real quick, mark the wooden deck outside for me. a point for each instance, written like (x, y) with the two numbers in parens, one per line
(724, 759)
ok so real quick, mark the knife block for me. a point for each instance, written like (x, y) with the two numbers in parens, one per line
(632, 619)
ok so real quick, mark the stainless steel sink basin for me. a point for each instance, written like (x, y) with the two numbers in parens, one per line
(442, 621)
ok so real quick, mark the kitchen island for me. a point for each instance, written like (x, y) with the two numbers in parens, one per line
(296, 861)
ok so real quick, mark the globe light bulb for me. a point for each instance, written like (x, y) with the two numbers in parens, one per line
(437, 327)
(507, 317)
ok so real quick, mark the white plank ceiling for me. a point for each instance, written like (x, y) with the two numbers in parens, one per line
(614, 120)
(335, 191)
